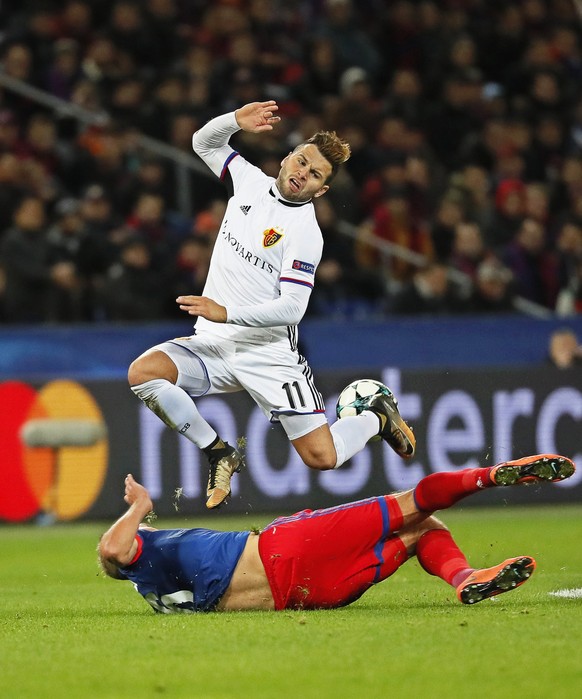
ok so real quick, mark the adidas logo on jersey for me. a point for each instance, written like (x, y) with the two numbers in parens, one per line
(245, 209)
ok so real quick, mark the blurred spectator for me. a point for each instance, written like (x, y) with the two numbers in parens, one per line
(428, 293)
(134, 289)
(65, 238)
(130, 33)
(64, 70)
(392, 222)
(320, 79)
(9, 132)
(190, 269)
(201, 188)
(103, 236)
(17, 62)
(207, 222)
(485, 146)
(404, 97)
(356, 106)
(104, 158)
(422, 192)
(452, 118)
(150, 177)
(537, 203)
(574, 142)
(508, 215)
(534, 266)
(390, 138)
(567, 188)
(342, 287)
(353, 48)
(148, 222)
(241, 67)
(196, 64)
(76, 21)
(363, 158)
(548, 148)
(34, 276)
(469, 249)
(509, 39)
(564, 351)
(569, 249)
(40, 145)
(104, 62)
(545, 95)
(165, 31)
(125, 101)
(475, 181)
(39, 32)
(566, 45)
(492, 290)
(569, 300)
(449, 214)
(10, 189)
(389, 175)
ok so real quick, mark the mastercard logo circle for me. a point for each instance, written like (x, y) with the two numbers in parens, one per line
(54, 452)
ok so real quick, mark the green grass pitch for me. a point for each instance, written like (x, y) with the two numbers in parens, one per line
(65, 631)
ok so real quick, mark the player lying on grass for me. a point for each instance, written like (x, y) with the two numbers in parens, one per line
(316, 559)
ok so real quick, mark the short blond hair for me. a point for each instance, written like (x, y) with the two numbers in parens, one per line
(107, 566)
(334, 149)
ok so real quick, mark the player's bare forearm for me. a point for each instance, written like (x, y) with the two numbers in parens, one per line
(256, 117)
(118, 543)
(202, 306)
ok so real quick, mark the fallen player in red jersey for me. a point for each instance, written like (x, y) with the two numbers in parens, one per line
(316, 559)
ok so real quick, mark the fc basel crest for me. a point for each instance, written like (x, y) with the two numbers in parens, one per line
(271, 237)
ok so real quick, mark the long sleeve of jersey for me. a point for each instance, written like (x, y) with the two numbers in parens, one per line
(211, 141)
(288, 309)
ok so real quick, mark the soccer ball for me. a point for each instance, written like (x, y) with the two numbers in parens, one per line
(357, 395)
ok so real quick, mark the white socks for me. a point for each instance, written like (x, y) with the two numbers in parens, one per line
(175, 407)
(351, 434)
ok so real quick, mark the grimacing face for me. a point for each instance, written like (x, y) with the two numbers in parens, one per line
(303, 174)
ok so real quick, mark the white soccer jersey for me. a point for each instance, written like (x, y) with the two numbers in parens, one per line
(266, 253)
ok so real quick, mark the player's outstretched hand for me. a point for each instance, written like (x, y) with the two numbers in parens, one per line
(136, 493)
(257, 116)
(202, 306)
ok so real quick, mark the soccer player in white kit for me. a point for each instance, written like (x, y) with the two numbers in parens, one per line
(257, 290)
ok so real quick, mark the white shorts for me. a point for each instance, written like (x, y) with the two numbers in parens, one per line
(278, 378)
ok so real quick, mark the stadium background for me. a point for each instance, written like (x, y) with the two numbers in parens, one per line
(431, 93)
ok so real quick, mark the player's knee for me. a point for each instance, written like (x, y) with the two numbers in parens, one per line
(153, 365)
(323, 460)
(139, 372)
(428, 525)
(411, 535)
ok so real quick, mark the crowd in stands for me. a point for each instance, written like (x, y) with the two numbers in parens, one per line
(464, 117)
